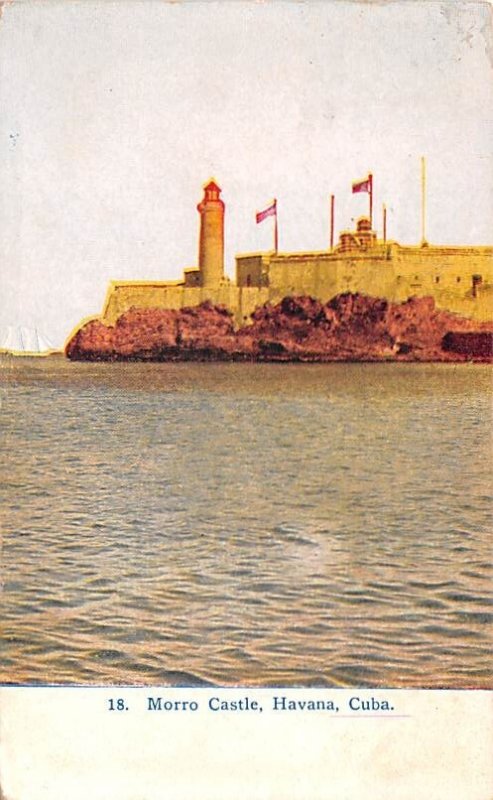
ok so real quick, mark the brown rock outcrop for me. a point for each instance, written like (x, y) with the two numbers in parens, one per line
(472, 345)
(350, 327)
(152, 334)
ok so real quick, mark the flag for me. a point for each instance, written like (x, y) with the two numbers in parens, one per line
(271, 211)
(363, 186)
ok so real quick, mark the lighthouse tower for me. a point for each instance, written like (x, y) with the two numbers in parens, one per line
(211, 244)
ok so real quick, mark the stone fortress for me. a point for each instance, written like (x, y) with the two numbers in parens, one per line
(458, 278)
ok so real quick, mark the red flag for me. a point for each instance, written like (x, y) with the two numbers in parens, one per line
(271, 211)
(362, 186)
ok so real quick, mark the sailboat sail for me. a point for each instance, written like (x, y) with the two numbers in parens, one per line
(19, 339)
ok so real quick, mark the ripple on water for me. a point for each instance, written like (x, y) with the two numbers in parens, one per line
(326, 526)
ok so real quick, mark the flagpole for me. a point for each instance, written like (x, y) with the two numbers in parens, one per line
(370, 180)
(384, 224)
(332, 221)
(275, 227)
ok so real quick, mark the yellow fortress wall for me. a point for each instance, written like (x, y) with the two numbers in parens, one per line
(460, 279)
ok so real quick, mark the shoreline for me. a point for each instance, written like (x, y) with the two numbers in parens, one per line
(349, 328)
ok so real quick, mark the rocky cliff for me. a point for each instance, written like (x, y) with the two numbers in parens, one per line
(351, 327)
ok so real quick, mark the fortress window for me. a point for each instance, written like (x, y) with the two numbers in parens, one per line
(249, 280)
(458, 280)
(477, 280)
(437, 279)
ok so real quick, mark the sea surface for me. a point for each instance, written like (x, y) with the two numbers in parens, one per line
(260, 524)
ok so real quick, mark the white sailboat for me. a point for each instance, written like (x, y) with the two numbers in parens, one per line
(22, 341)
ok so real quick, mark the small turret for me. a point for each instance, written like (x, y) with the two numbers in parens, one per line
(211, 244)
(364, 234)
(363, 238)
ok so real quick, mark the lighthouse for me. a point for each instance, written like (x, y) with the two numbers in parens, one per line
(211, 243)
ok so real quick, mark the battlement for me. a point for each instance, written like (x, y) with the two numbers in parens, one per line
(458, 277)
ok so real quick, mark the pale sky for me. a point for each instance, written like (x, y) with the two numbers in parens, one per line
(114, 114)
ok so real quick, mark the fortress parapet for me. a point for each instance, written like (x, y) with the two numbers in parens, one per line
(459, 278)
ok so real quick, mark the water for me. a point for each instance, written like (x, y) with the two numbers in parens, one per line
(258, 524)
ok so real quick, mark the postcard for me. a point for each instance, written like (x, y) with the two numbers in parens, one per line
(246, 337)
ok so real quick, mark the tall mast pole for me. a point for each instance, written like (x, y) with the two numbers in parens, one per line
(370, 193)
(384, 224)
(331, 221)
(276, 235)
(423, 200)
